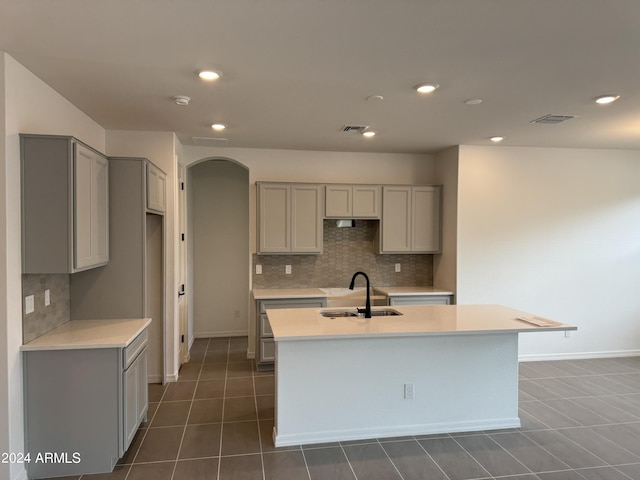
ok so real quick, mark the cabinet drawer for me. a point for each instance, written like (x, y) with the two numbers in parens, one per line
(265, 326)
(134, 348)
(267, 350)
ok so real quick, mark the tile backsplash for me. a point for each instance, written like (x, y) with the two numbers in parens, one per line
(44, 319)
(346, 251)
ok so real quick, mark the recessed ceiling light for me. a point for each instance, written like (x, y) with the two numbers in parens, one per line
(181, 100)
(497, 139)
(473, 101)
(369, 133)
(210, 75)
(426, 87)
(218, 127)
(604, 99)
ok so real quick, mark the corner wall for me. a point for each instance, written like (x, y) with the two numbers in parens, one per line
(554, 232)
(30, 106)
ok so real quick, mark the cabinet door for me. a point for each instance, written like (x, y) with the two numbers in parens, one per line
(135, 395)
(274, 218)
(306, 218)
(156, 189)
(91, 209)
(366, 201)
(339, 201)
(425, 219)
(396, 219)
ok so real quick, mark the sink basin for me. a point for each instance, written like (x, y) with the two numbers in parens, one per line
(340, 313)
(385, 312)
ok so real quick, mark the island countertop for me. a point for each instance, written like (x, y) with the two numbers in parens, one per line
(81, 334)
(416, 320)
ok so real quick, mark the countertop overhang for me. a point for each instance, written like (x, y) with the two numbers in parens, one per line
(81, 334)
(416, 320)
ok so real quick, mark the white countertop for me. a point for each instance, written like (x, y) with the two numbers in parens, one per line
(417, 320)
(407, 291)
(277, 293)
(80, 334)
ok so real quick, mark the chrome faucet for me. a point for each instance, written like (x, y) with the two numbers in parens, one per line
(367, 306)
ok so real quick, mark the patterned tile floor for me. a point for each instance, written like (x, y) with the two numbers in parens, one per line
(580, 421)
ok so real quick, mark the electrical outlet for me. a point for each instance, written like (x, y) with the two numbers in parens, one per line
(287, 269)
(29, 304)
(47, 297)
(398, 268)
(409, 391)
(258, 269)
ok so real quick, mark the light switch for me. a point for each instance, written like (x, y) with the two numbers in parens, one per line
(29, 304)
(47, 297)
(287, 269)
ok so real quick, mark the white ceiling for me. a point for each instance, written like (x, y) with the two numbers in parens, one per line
(296, 71)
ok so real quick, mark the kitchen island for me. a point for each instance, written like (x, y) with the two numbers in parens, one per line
(431, 369)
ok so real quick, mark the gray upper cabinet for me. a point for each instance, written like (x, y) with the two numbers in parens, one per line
(352, 201)
(65, 205)
(156, 189)
(290, 218)
(410, 219)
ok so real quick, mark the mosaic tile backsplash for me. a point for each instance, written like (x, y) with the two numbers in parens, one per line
(44, 319)
(346, 251)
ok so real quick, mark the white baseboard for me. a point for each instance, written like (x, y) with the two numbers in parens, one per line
(395, 431)
(229, 333)
(578, 355)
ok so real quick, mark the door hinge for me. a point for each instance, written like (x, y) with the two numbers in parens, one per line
(181, 185)
(182, 237)
(182, 338)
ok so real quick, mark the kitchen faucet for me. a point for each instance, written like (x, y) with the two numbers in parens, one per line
(367, 306)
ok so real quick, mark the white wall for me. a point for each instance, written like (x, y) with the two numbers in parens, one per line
(30, 106)
(160, 148)
(555, 232)
(219, 228)
(445, 264)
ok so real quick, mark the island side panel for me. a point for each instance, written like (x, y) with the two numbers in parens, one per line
(353, 388)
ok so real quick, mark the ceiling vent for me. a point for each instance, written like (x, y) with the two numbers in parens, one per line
(354, 128)
(209, 141)
(551, 119)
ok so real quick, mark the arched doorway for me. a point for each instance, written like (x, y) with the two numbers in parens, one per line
(218, 218)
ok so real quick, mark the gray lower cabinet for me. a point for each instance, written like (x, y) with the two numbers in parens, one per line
(83, 407)
(265, 345)
(420, 300)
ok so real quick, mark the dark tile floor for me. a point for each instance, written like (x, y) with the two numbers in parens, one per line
(580, 421)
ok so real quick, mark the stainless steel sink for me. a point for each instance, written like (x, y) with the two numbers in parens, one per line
(340, 313)
(385, 312)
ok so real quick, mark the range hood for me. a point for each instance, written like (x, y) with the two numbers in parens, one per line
(345, 223)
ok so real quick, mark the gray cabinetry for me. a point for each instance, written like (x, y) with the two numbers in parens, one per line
(85, 404)
(420, 300)
(352, 201)
(65, 205)
(410, 219)
(290, 218)
(156, 188)
(132, 284)
(265, 345)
